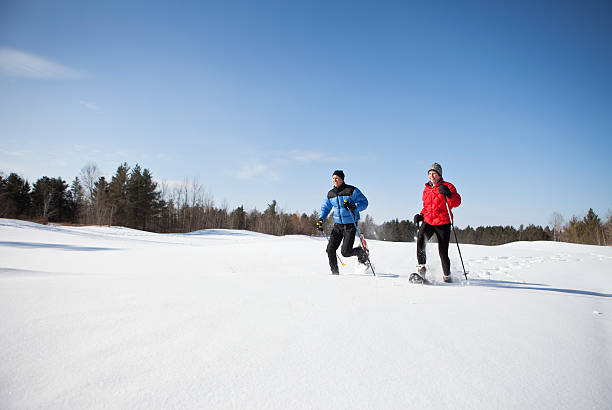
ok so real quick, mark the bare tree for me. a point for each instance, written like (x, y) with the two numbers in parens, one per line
(90, 174)
(164, 191)
(556, 223)
(180, 193)
(47, 212)
(606, 230)
(196, 194)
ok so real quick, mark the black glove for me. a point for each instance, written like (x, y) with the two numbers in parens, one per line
(418, 218)
(443, 189)
(349, 205)
(320, 224)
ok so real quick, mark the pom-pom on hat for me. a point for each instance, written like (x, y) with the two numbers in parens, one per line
(340, 173)
(435, 167)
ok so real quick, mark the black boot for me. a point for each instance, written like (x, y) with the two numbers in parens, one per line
(363, 257)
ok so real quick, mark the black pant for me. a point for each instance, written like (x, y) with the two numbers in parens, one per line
(443, 233)
(339, 233)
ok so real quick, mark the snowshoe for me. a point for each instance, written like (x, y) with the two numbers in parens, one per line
(364, 257)
(416, 278)
(447, 278)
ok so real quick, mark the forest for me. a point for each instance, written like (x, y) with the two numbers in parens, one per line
(133, 199)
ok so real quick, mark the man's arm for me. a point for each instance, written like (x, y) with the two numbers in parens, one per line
(359, 199)
(325, 208)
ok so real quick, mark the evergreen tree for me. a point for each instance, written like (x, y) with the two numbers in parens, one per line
(587, 230)
(269, 219)
(238, 218)
(14, 197)
(100, 202)
(143, 199)
(254, 221)
(312, 222)
(592, 225)
(77, 199)
(574, 230)
(118, 196)
(408, 230)
(50, 200)
(397, 231)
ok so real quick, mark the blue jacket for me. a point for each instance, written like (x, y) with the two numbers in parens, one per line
(335, 199)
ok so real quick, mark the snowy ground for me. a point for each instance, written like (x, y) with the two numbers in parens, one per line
(97, 317)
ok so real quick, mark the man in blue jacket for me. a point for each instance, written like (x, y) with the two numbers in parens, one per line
(346, 201)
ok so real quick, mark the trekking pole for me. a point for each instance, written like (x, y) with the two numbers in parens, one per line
(363, 246)
(339, 260)
(456, 240)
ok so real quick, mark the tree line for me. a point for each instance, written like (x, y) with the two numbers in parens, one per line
(586, 230)
(133, 199)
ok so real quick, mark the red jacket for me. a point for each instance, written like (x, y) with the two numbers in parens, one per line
(434, 208)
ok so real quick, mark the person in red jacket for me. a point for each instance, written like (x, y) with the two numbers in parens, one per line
(436, 219)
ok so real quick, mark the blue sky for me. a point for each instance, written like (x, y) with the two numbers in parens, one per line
(263, 100)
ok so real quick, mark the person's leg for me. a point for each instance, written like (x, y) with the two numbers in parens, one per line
(335, 237)
(347, 246)
(348, 241)
(425, 232)
(443, 232)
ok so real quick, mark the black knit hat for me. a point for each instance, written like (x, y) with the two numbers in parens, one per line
(340, 173)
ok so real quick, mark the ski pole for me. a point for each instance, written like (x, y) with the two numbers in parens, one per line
(456, 240)
(339, 260)
(361, 241)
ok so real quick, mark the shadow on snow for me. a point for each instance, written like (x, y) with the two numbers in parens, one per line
(378, 275)
(37, 245)
(534, 286)
(9, 272)
(223, 232)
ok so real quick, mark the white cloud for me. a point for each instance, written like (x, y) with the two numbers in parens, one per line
(90, 105)
(15, 63)
(253, 170)
(269, 165)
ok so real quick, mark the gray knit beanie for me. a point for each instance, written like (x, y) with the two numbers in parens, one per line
(435, 167)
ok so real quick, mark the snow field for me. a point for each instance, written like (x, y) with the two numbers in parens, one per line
(98, 317)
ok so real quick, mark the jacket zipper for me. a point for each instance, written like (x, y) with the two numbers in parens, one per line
(339, 208)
